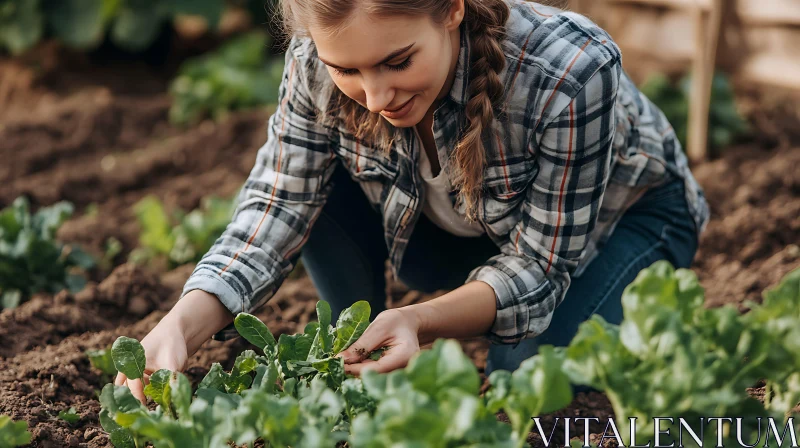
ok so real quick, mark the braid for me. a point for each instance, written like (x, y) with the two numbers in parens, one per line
(485, 24)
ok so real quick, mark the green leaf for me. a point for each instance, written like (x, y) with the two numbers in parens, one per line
(136, 29)
(377, 353)
(23, 28)
(69, 416)
(158, 383)
(120, 437)
(78, 257)
(254, 331)
(445, 367)
(75, 283)
(216, 378)
(293, 352)
(155, 225)
(324, 317)
(266, 378)
(10, 299)
(13, 433)
(245, 363)
(181, 395)
(129, 358)
(351, 325)
(102, 360)
(357, 400)
(77, 23)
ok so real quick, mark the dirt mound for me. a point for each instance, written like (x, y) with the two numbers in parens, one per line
(752, 239)
(127, 295)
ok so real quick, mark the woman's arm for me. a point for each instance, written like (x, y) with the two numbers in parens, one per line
(462, 313)
(466, 312)
(198, 316)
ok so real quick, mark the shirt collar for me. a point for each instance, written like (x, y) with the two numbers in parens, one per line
(458, 91)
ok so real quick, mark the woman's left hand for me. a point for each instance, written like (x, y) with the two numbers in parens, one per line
(397, 331)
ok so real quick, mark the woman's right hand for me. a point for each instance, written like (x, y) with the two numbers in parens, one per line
(164, 348)
(190, 323)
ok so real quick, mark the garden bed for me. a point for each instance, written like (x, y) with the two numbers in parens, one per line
(89, 137)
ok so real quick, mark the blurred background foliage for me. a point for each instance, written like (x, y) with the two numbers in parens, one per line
(725, 124)
(245, 69)
(83, 24)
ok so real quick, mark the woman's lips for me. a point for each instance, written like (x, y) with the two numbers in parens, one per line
(401, 112)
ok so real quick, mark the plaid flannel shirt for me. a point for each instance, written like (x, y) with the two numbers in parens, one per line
(574, 145)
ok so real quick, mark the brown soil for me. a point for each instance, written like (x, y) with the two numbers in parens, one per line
(68, 139)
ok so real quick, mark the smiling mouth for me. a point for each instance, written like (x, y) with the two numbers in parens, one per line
(398, 107)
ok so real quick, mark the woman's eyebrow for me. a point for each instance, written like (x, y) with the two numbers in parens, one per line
(388, 58)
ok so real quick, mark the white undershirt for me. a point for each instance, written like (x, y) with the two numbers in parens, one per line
(437, 206)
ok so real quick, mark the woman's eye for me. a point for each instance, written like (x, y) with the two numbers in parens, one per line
(347, 72)
(401, 66)
(394, 67)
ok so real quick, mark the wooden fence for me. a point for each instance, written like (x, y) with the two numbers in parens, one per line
(757, 42)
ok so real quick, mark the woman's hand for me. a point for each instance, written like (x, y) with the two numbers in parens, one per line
(395, 329)
(164, 348)
(190, 323)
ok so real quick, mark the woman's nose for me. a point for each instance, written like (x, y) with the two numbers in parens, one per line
(378, 97)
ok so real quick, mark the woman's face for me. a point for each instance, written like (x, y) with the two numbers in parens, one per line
(397, 67)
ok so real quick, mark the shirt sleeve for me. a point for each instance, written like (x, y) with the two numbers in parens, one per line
(531, 275)
(278, 203)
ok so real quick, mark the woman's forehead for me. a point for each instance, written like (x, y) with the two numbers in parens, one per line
(366, 41)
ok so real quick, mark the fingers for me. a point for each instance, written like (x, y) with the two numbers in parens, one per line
(137, 389)
(373, 338)
(395, 358)
(120, 379)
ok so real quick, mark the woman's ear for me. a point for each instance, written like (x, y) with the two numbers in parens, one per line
(455, 16)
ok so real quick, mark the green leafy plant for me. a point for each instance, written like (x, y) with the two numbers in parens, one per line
(725, 125)
(236, 76)
(297, 394)
(21, 24)
(102, 361)
(31, 260)
(669, 357)
(182, 238)
(83, 24)
(69, 416)
(673, 357)
(13, 433)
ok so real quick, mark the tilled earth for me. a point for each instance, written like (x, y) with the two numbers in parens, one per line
(91, 138)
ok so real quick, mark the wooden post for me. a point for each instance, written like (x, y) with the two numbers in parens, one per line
(707, 38)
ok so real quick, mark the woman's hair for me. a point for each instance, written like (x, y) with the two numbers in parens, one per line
(485, 26)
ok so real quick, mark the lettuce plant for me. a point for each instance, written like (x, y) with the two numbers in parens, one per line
(13, 433)
(181, 238)
(236, 76)
(670, 357)
(673, 357)
(31, 260)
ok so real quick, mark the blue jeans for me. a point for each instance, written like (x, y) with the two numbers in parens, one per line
(345, 257)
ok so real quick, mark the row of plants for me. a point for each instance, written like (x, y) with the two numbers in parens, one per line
(32, 260)
(670, 357)
(240, 74)
(131, 25)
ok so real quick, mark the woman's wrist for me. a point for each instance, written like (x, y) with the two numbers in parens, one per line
(198, 316)
(466, 312)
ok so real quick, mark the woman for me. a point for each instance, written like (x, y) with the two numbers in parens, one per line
(494, 148)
